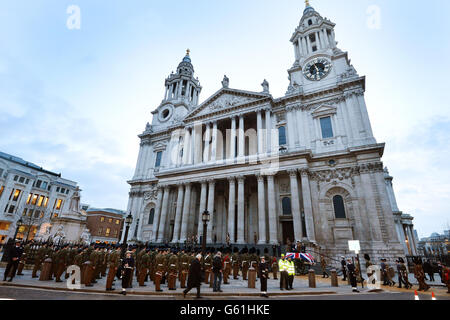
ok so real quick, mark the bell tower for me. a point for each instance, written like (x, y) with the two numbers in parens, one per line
(182, 87)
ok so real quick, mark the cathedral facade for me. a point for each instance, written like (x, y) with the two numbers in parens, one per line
(268, 170)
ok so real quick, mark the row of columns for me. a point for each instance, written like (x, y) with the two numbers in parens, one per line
(191, 155)
(303, 45)
(207, 202)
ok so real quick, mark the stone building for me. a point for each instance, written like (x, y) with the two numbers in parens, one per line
(304, 166)
(47, 203)
(105, 225)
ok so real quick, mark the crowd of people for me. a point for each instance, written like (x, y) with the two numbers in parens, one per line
(189, 268)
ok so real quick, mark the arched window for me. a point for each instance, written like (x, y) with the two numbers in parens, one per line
(339, 208)
(282, 136)
(287, 210)
(151, 216)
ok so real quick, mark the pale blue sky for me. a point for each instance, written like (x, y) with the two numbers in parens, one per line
(74, 101)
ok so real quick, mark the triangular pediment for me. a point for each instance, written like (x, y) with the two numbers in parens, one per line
(324, 110)
(225, 99)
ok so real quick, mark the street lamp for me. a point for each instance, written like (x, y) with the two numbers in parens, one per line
(128, 221)
(205, 219)
(19, 223)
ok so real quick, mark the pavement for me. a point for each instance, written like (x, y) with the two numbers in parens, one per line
(236, 289)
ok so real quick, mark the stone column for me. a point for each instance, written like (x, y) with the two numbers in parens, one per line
(273, 236)
(308, 43)
(203, 196)
(212, 185)
(193, 147)
(163, 220)
(157, 214)
(214, 142)
(186, 212)
(232, 208)
(318, 44)
(260, 132)
(307, 206)
(296, 213)
(207, 144)
(268, 131)
(412, 241)
(261, 210)
(241, 149)
(186, 146)
(232, 155)
(325, 38)
(305, 48)
(178, 213)
(241, 213)
(291, 126)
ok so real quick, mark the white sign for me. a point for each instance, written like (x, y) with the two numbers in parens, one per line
(354, 245)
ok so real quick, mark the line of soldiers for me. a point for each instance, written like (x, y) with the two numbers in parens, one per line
(160, 265)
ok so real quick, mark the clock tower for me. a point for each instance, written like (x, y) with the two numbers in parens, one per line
(318, 61)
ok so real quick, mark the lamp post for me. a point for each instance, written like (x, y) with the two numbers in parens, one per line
(128, 221)
(205, 219)
(19, 223)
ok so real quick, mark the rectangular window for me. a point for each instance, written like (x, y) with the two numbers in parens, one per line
(22, 180)
(11, 209)
(58, 204)
(115, 233)
(44, 185)
(28, 181)
(108, 231)
(46, 202)
(29, 198)
(110, 220)
(38, 184)
(1, 190)
(24, 213)
(102, 219)
(100, 231)
(117, 221)
(15, 178)
(158, 159)
(16, 195)
(4, 226)
(1, 172)
(41, 200)
(57, 189)
(327, 129)
(35, 197)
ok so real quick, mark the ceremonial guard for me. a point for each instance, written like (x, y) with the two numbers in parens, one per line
(344, 268)
(352, 274)
(160, 270)
(419, 274)
(275, 267)
(323, 265)
(226, 267)
(39, 257)
(208, 266)
(245, 257)
(184, 269)
(127, 271)
(172, 271)
(402, 274)
(61, 263)
(56, 260)
(152, 270)
(25, 255)
(263, 275)
(144, 265)
(235, 260)
(113, 264)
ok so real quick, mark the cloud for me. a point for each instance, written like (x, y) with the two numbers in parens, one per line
(47, 130)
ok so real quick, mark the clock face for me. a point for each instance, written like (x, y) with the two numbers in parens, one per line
(317, 69)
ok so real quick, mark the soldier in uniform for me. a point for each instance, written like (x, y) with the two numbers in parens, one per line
(245, 257)
(144, 267)
(159, 269)
(38, 259)
(184, 268)
(236, 263)
(275, 267)
(323, 265)
(172, 271)
(263, 275)
(25, 256)
(226, 266)
(113, 264)
(207, 266)
(419, 274)
(61, 263)
(91, 271)
(254, 259)
(402, 274)
(56, 258)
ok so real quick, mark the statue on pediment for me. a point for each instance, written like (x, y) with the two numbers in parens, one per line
(225, 82)
(265, 86)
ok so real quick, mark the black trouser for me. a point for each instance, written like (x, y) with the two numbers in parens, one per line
(283, 280)
(344, 272)
(352, 278)
(290, 281)
(431, 275)
(127, 277)
(11, 268)
(401, 280)
(263, 284)
(189, 288)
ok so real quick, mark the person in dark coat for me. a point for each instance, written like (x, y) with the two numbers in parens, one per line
(14, 254)
(344, 268)
(263, 275)
(428, 269)
(127, 271)
(194, 277)
(352, 275)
